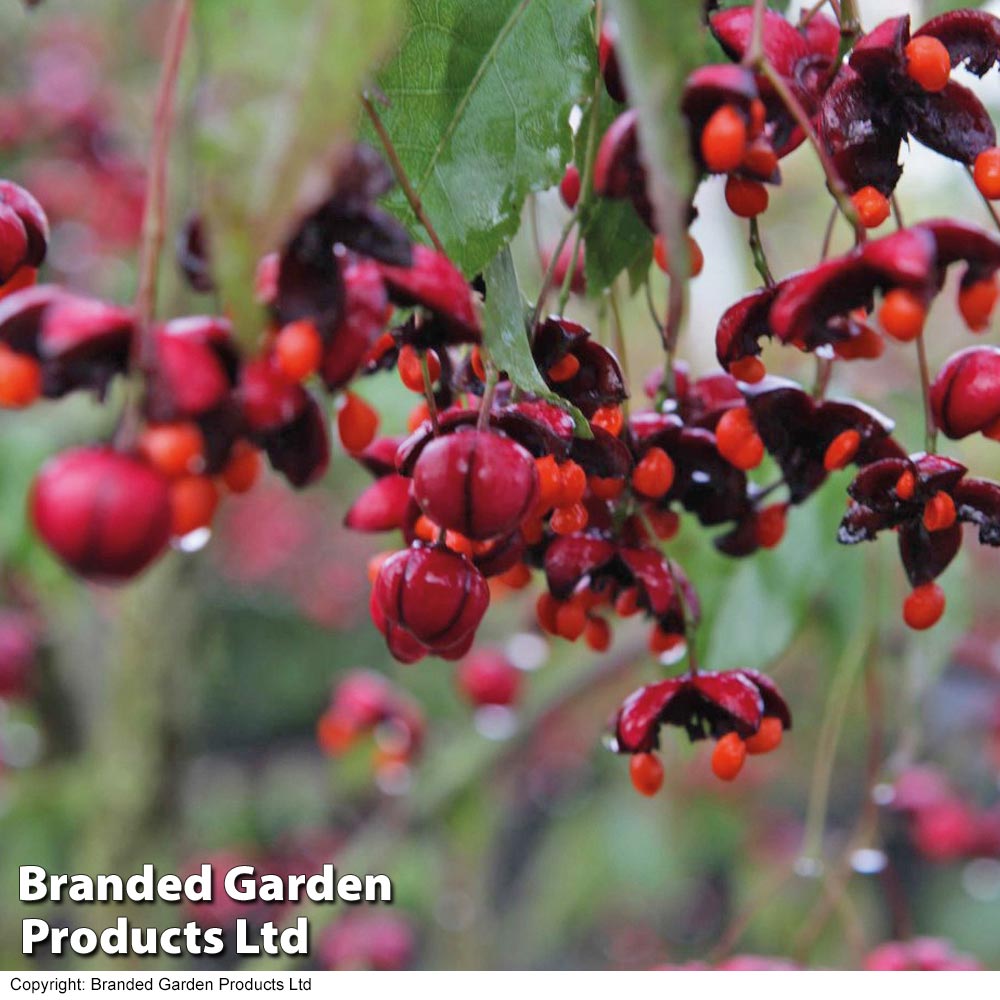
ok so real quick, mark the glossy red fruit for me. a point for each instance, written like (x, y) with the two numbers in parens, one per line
(728, 756)
(105, 514)
(841, 450)
(872, 206)
(768, 737)
(654, 474)
(724, 140)
(737, 439)
(20, 379)
(193, 500)
(298, 349)
(976, 302)
(24, 230)
(902, 314)
(487, 677)
(746, 198)
(646, 773)
(433, 596)
(569, 186)
(965, 394)
(176, 449)
(478, 483)
(928, 63)
(986, 173)
(924, 606)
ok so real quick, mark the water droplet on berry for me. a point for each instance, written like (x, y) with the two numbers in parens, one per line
(193, 541)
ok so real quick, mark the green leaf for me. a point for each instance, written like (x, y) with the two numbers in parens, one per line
(506, 337)
(616, 239)
(479, 100)
(658, 46)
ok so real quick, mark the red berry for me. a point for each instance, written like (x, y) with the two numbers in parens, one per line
(749, 370)
(298, 349)
(728, 756)
(572, 484)
(902, 314)
(243, 468)
(597, 634)
(606, 488)
(654, 475)
(411, 370)
(939, 512)
(175, 449)
(569, 186)
(928, 63)
(665, 523)
(357, 423)
(476, 361)
(546, 608)
(841, 450)
(487, 677)
(565, 368)
(571, 620)
(609, 418)
(976, 302)
(737, 439)
(723, 140)
(193, 500)
(986, 173)
(767, 738)
(569, 520)
(696, 259)
(872, 206)
(20, 379)
(104, 514)
(924, 606)
(478, 483)
(746, 198)
(646, 773)
(662, 641)
(770, 525)
(906, 486)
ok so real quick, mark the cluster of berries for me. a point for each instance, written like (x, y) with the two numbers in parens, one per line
(494, 482)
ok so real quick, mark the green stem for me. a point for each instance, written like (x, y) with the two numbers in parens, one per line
(759, 254)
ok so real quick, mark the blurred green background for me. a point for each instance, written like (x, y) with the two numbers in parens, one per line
(173, 721)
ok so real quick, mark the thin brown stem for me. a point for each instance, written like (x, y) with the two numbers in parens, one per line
(432, 410)
(402, 178)
(486, 404)
(759, 254)
(808, 15)
(154, 218)
(828, 234)
(619, 340)
(755, 52)
(930, 427)
(547, 277)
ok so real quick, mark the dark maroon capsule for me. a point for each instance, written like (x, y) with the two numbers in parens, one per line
(487, 677)
(24, 230)
(965, 395)
(478, 483)
(434, 597)
(105, 514)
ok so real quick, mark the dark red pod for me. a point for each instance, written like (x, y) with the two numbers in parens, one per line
(475, 482)
(965, 395)
(431, 595)
(18, 651)
(105, 514)
(24, 230)
(487, 677)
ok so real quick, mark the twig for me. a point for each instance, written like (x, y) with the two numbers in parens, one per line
(760, 255)
(154, 218)
(619, 340)
(400, 172)
(543, 292)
